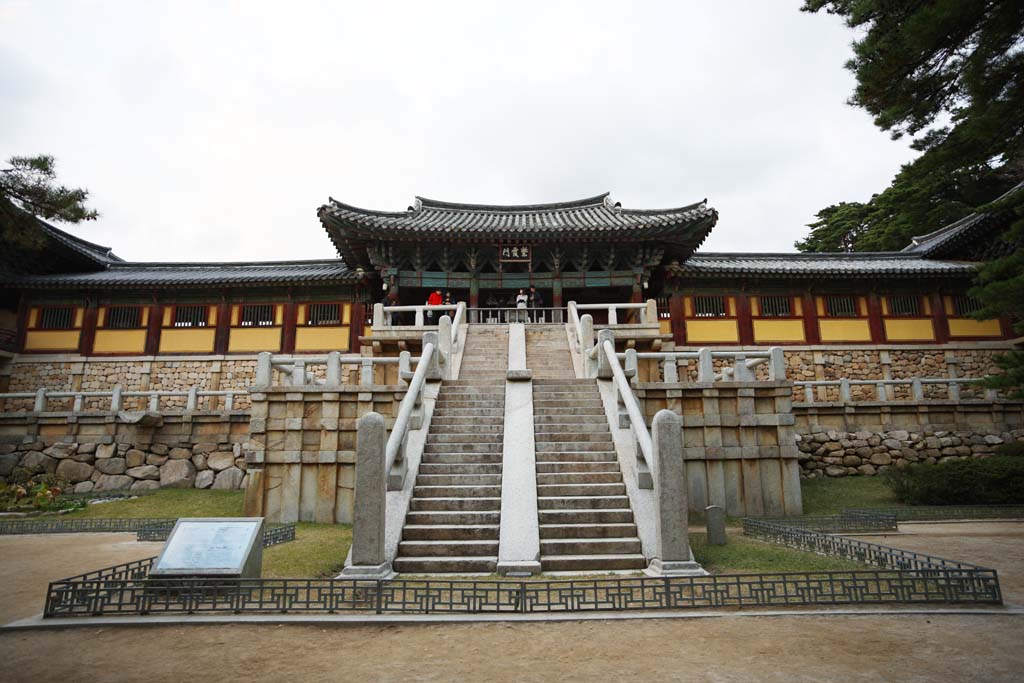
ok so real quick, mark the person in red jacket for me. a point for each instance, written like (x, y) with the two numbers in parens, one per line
(434, 300)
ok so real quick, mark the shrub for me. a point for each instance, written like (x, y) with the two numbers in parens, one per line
(996, 480)
(1015, 449)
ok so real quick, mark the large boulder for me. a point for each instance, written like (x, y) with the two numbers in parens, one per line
(113, 482)
(229, 479)
(204, 448)
(144, 472)
(8, 461)
(37, 463)
(135, 458)
(180, 454)
(106, 450)
(221, 460)
(156, 459)
(61, 450)
(73, 472)
(145, 485)
(84, 487)
(177, 474)
(204, 479)
(112, 465)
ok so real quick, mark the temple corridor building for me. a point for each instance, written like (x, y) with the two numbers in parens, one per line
(74, 316)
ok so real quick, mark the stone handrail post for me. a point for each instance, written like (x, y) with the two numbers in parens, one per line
(405, 365)
(264, 369)
(334, 368)
(154, 403)
(457, 321)
(844, 391)
(776, 364)
(880, 391)
(586, 344)
(444, 346)
(649, 313)
(917, 389)
(368, 552)
(705, 366)
(40, 404)
(670, 370)
(672, 555)
(432, 363)
(379, 320)
(741, 371)
(574, 323)
(366, 372)
(613, 316)
(632, 366)
(604, 368)
(419, 318)
(192, 400)
(78, 403)
(115, 398)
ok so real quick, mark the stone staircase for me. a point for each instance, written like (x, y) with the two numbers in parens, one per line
(586, 523)
(453, 521)
(547, 352)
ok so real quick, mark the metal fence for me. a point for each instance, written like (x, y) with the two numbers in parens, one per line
(848, 522)
(937, 513)
(161, 529)
(75, 526)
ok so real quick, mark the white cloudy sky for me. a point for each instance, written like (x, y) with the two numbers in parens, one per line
(214, 130)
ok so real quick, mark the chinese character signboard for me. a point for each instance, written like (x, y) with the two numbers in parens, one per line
(519, 253)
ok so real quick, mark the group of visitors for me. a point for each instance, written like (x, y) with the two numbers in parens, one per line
(523, 300)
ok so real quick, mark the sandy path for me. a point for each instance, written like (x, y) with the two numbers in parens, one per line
(29, 563)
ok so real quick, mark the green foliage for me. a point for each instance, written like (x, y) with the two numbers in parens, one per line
(996, 480)
(1015, 449)
(950, 73)
(832, 495)
(165, 503)
(43, 494)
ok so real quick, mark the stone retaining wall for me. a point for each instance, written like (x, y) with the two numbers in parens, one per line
(866, 453)
(103, 451)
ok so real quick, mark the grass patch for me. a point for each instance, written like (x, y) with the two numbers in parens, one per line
(166, 504)
(831, 496)
(318, 550)
(742, 555)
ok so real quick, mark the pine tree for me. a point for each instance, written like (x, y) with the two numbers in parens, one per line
(28, 188)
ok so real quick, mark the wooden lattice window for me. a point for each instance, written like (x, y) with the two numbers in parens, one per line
(841, 306)
(663, 308)
(906, 305)
(776, 307)
(323, 314)
(57, 318)
(123, 318)
(257, 315)
(709, 306)
(190, 316)
(965, 304)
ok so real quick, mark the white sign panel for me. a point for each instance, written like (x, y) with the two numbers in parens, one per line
(223, 546)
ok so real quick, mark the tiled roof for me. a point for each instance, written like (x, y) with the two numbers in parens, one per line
(124, 274)
(94, 252)
(593, 218)
(945, 240)
(855, 264)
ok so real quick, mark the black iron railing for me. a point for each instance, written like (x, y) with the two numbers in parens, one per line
(848, 522)
(936, 513)
(161, 529)
(58, 525)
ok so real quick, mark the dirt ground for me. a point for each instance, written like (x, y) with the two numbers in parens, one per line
(907, 648)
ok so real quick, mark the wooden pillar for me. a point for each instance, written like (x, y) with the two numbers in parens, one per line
(153, 326)
(356, 324)
(676, 312)
(223, 332)
(810, 306)
(22, 324)
(88, 332)
(875, 319)
(556, 290)
(940, 321)
(637, 295)
(1006, 325)
(474, 290)
(288, 328)
(744, 320)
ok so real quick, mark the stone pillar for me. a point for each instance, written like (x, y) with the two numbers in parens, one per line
(714, 516)
(586, 343)
(672, 555)
(604, 368)
(444, 346)
(433, 367)
(367, 558)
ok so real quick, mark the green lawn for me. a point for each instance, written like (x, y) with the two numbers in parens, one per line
(743, 555)
(831, 496)
(168, 503)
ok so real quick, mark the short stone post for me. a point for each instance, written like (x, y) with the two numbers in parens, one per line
(115, 398)
(433, 366)
(705, 366)
(671, 370)
(808, 393)
(613, 316)
(632, 366)
(405, 366)
(604, 367)
(444, 346)
(844, 391)
(40, 404)
(264, 369)
(715, 518)
(419, 317)
(587, 343)
(881, 393)
(154, 402)
(298, 372)
(649, 314)
(776, 364)
(334, 368)
(366, 372)
(192, 400)
(741, 372)
(917, 388)
(367, 558)
(380, 321)
(672, 555)
(954, 390)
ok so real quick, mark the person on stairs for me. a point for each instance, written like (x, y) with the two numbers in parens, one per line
(521, 302)
(537, 301)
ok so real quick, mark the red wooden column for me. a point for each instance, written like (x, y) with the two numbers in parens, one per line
(875, 319)
(223, 333)
(153, 327)
(355, 330)
(744, 319)
(675, 312)
(288, 325)
(940, 321)
(811, 332)
(88, 334)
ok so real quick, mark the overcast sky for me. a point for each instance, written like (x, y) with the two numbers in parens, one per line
(214, 130)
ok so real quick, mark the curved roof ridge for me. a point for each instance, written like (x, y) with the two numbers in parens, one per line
(426, 203)
(678, 209)
(126, 265)
(91, 250)
(358, 209)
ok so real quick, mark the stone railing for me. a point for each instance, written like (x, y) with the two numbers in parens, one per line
(884, 389)
(629, 409)
(382, 315)
(115, 399)
(503, 315)
(743, 368)
(410, 413)
(582, 325)
(306, 370)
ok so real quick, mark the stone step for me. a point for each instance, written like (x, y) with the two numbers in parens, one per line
(447, 565)
(451, 532)
(596, 428)
(568, 478)
(622, 530)
(461, 436)
(456, 420)
(452, 518)
(588, 411)
(461, 458)
(466, 428)
(465, 447)
(584, 516)
(593, 419)
(443, 404)
(577, 456)
(579, 502)
(574, 446)
(576, 436)
(566, 382)
(565, 395)
(573, 467)
(460, 468)
(469, 412)
(462, 479)
(487, 547)
(582, 563)
(472, 383)
(584, 489)
(561, 403)
(493, 491)
(455, 504)
(589, 546)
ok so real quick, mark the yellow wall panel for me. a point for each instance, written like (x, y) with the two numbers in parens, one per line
(909, 329)
(839, 329)
(321, 339)
(968, 327)
(52, 340)
(33, 317)
(101, 316)
(665, 326)
(778, 331)
(211, 316)
(346, 313)
(279, 314)
(798, 306)
(301, 314)
(119, 341)
(255, 339)
(187, 340)
(235, 314)
(79, 315)
(712, 331)
(947, 303)
(819, 301)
